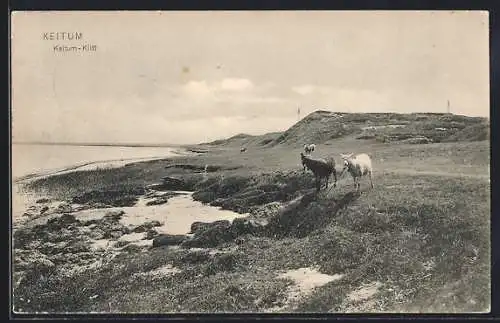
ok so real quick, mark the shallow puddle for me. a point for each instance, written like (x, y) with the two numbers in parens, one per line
(176, 215)
(305, 281)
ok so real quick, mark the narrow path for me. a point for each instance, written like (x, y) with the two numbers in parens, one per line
(411, 172)
(438, 173)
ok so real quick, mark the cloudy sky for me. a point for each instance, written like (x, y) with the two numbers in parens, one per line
(187, 77)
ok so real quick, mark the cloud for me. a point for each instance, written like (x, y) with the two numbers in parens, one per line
(236, 84)
(225, 97)
(303, 89)
(308, 89)
(196, 89)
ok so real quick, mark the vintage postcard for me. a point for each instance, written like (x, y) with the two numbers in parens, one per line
(250, 161)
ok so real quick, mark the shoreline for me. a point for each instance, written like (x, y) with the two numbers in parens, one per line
(23, 199)
(91, 165)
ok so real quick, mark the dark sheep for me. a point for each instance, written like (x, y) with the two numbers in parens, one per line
(320, 168)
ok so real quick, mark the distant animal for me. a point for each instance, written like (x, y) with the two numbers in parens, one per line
(205, 171)
(243, 149)
(309, 148)
(320, 168)
(358, 166)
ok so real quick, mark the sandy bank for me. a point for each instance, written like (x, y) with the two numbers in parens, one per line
(101, 164)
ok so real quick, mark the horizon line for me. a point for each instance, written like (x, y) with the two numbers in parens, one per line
(101, 144)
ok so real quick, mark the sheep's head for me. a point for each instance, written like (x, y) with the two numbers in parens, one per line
(347, 159)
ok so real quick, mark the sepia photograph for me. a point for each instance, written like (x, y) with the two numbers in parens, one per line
(250, 162)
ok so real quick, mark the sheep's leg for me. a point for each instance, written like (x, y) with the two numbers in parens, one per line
(335, 175)
(371, 179)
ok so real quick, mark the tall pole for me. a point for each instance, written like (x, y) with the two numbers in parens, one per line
(298, 113)
(448, 108)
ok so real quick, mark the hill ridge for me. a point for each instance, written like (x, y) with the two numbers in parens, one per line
(418, 128)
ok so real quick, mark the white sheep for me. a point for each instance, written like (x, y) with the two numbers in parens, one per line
(358, 166)
(308, 148)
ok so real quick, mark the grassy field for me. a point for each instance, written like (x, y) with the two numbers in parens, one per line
(421, 236)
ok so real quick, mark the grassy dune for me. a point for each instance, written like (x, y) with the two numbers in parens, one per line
(418, 242)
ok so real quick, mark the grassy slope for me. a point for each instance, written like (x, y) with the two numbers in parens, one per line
(424, 236)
